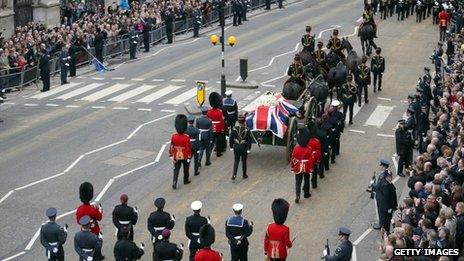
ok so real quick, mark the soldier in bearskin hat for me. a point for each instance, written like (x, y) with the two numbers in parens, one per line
(181, 149)
(302, 163)
(207, 238)
(216, 116)
(277, 238)
(95, 212)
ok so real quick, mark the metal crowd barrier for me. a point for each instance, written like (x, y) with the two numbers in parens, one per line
(119, 48)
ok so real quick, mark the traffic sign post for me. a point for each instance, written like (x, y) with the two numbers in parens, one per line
(201, 92)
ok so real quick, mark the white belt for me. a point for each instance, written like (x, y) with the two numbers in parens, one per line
(124, 222)
(192, 140)
(215, 122)
(201, 130)
(238, 237)
(53, 243)
(87, 249)
(196, 234)
(230, 112)
(159, 228)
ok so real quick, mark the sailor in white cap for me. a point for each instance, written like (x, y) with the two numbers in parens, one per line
(193, 224)
(53, 237)
(238, 229)
(230, 108)
(337, 120)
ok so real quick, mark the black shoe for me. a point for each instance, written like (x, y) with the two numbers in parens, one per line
(187, 182)
(321, 176)
(196, 174)
(351, 123)
(245, 176)
(146, 51)
(401, 174)
(233, 177)
(379, 89)
(174, 186)
(43, 90)
(297, 200)
(314, 186)
(359, 104)
(307, 196)
(64, 83)
(375, 90)
(367, 101)
(208, 163)
(376, 227)
(332, 161)
(219, 154)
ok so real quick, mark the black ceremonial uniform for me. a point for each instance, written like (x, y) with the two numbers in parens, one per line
(296, 72)
(240, 141)
(147, 26)
(124, 216)
(127, 250)
(400, 10)
(404, 148)
(73, 50)
(86, 243)
(157, 222)
(194, 135)
(385, 195)
(44, 66)
(349, 90)
(99, 41)
(335, 46)
(64, 64)
(166, 250)
(321, 59)
(192, 231)
(168, 17)
(307, 41)
(237, 232)
(423, 126)
(338, 124)
(327, 127)
(52, 237)
(133, 40)
(196, 22)
(204, 125)
(363, 79)
(377, 68)
(230, 111)
(342, 252)
(237, 9)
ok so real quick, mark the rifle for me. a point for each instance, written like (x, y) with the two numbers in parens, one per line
(370, 188)
(326, 251)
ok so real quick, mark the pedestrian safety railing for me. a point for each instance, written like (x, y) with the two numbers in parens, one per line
(116, 48)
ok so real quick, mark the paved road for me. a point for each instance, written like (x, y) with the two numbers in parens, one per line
(109, 128)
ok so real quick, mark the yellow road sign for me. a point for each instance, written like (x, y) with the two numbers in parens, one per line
(201, 92)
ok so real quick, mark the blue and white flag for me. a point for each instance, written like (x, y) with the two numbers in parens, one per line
(99, 67)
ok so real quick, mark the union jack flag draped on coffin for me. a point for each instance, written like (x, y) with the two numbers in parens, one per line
(271, 118)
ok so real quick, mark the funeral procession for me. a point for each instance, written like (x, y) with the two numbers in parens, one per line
(209, 130)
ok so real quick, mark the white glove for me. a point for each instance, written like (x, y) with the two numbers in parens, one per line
(231, 149)
(142, 246)
(390, 211)
(136, 210)
(90, 258)
(173, 218)
(55, 250)
(248, 151)
(372, 182)
(198, 240)
(65, 228)
(100, 235)
(181, 246)
(324, 252)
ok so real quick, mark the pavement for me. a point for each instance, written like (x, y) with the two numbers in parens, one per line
(112, 129)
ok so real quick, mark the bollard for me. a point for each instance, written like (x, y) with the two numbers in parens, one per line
(243, 69)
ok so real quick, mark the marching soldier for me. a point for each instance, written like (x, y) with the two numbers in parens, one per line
(377, 68)
(327, 127)
(349, 91)
(443, 20)
(400, 9)
(133, 39)
(315, 145)
(240, 143)
(277, 238)
(204, 125)
(93, 212)
(207, 238)
(86, 243)
(302, 163)
(64, 64)
(230, 108)
(407, 5)
(338, 125)
(429, 4)
(180, 150)
(307, 40)
(344, 247)
(216, 116)
(296, 71)
(194, 135)
(44, 67)
(193, 224)
(363, 80)
(435, 11)
(404, 147)
(166, 250)
(125, 216)
(238, 229)
(321, 56)
(391, 7)
(53, 237)
(383, 9)
(437, 57)
(335, 45)
(125, 249)
(427, 78)
(158, 221)
(419, 9)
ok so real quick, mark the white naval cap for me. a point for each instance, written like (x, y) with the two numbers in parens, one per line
(237, 207)
(228, 93)
(196, 205)
(335, 103)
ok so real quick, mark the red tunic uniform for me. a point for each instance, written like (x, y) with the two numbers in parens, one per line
(444, 18)
(277, 240)
(315, 144)
(217, 118)
(180, 149)
(302, 159)
(207, 254)
(92, 211)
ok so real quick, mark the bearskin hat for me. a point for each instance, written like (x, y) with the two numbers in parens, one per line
(207, 235)
(215, 100)
(280, 209)
(86, 192)
(180, 123)
(302, 136)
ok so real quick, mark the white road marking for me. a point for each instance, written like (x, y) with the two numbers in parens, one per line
(14, 256)
(354, 256)
(7, 195)
(379, 115)
(319, 35)
(9, 103)
(31, 104)
(66, 214)
(55, 90)
(359, 19)
(107, 186)
(51, 105)
(98, 78)
(118, 78)
(105, 92)
(357, 131)
(120, 108)
(72, 106)
(273, 79)
(160, 153)
(146, 123)
(157, 80)
(268, 85)
(133, 170)
(98, 107)
(138, 79)
(168, 110)
(105, 147)
(183, 97)
(39, 181)
(177, 80)
(385, 135)
(79, 91)
(132, 93)
(143, 109)
(273, 58)
(74, 163)
(158, 94)
(33, 239)
(384, 99)
(362, 236)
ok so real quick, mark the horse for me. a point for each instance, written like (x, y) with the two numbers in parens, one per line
(306, 56)
(333, 58)
(320, 91)
(292, 90)
(336, 78)
(313, 70)
(366, 34)
(352, 61)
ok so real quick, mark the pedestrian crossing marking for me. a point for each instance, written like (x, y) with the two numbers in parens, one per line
(132, 93)
(79, 91)
(105, 92)
(160, 93)
(183, 97)
(379, 115)
(55, 91)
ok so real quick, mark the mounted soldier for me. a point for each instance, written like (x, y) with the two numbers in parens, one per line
(321, 57)
(335, 45)
(296, 71)
(368, 18)
(308, 40)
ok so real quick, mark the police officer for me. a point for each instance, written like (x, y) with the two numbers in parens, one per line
(230, 109)
(427, 78)
(238, 229)
(236, 9)
(240, 143)
(158, 221)
(194, 135)
(64, 64)
(125, 249)
(307, 40)
(204, 125)
(53, 237)
(404, 147)
(196, 20)
(44, 67)
(385, 196)
(168, 17)
(377, 68)
(193, 224)
(73, 50)
(423, 126)
(166, 250)
(133, 40)
(344, 247)
(363, 80)
(99, 41)
(86, 243)
(147, 27)
(125, 216)
(437, 57)
(349, 91)
(180, 150)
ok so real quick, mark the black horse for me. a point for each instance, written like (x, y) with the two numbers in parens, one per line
(352, 61)
(336, 78)
(366, 34)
